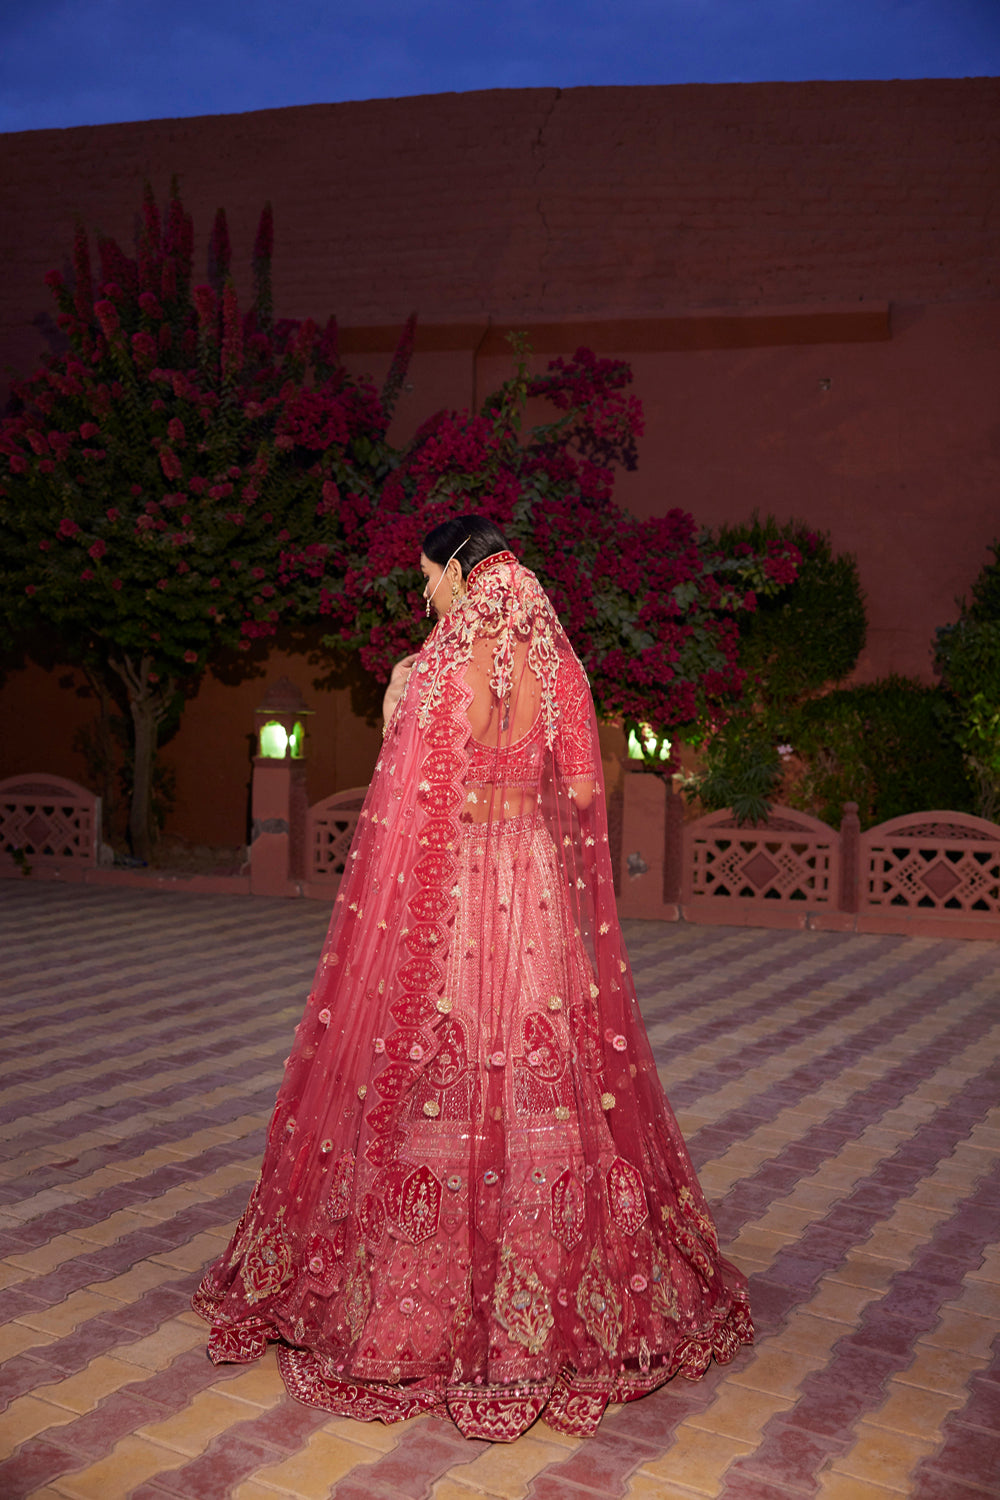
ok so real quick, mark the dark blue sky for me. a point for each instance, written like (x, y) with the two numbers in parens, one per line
(83, 62)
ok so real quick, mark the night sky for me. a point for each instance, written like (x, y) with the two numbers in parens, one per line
(88, 62)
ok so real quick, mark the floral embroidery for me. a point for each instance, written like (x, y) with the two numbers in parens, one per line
(521, 1304)
(627, 1196)
(598, 1305)
(267, 1264)
(568, 1207)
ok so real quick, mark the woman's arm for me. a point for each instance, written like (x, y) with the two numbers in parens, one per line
(397, 683)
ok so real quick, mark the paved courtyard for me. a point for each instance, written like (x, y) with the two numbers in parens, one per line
(841, 1095)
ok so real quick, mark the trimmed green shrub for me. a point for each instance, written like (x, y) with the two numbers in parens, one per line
(968, 658)
(888, 746)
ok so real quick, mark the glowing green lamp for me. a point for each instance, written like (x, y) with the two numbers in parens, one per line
(645, 744)
(281, 732)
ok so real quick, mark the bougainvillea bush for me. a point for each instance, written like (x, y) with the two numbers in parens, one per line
(187, 477)
(152, 475)
(650, 605)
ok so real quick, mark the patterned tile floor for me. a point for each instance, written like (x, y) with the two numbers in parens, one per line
(840, 1094)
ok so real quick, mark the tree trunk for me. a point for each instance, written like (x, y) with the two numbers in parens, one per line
(147, 705)
(141, 827)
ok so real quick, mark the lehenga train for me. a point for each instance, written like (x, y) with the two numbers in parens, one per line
(474, 1196)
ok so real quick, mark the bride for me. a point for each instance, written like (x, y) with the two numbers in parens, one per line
(474, 1196)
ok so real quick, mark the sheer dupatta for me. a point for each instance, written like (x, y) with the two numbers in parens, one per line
(474, 1192)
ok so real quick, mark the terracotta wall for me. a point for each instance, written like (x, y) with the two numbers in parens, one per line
(805, 277)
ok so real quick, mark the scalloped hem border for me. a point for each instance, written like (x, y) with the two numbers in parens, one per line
(572, 1403)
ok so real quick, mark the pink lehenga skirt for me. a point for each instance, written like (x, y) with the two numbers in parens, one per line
(483, 1244)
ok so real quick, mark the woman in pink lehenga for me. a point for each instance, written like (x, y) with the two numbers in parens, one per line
(474, 1195)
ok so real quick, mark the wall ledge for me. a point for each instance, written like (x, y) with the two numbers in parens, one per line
(638, 332)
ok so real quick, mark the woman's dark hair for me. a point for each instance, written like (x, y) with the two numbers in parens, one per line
(481, 537)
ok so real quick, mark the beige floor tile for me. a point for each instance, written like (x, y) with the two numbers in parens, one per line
(944, 1370)
(16, 1337)
(63, 1317)
(452, 1489)
(840, 1302)
(916, 1219)
(981, 1299)
(507, 1469)
(834, 1486)
(11, 1275)
(893, 1245)
(696, 1458)
(549, 1434)
(740, 1413)
(804, 1334)
(27, 1417)
(989, 1270)
(786, 1218)
(260, 1385)
(157, 1350)
(309, 1473)
(47, 1256)
(813, 1195)
(780, 1372)
(81, 1392)
(642, 1487)
(106, 1231)
(759, 1243)
(865, 1271)
(837, 1174)
(881, 1457)
(370, 1434)
(40, 1203)
(177, 1201)
(963, 1332)
(251, 1490)
(130, 1286)
(191, 1429)
(129, 1464)
(940, 1196)
(912, 1409)
(192, 1256)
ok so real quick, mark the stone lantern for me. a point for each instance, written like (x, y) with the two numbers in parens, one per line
(279, 801)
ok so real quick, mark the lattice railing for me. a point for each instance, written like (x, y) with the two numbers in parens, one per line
(46, 821)
(791, 858)
(932, 862)
(329, 831)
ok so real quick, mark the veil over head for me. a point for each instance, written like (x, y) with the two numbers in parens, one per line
(474, 1193)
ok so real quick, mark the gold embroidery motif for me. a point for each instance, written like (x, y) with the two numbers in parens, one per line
(357, 1294)
(599, 1306)
(567, 1210)
(267, 1264)
(628, 1198)
(521, 1304)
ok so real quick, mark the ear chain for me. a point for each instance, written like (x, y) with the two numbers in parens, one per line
(455, 587)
